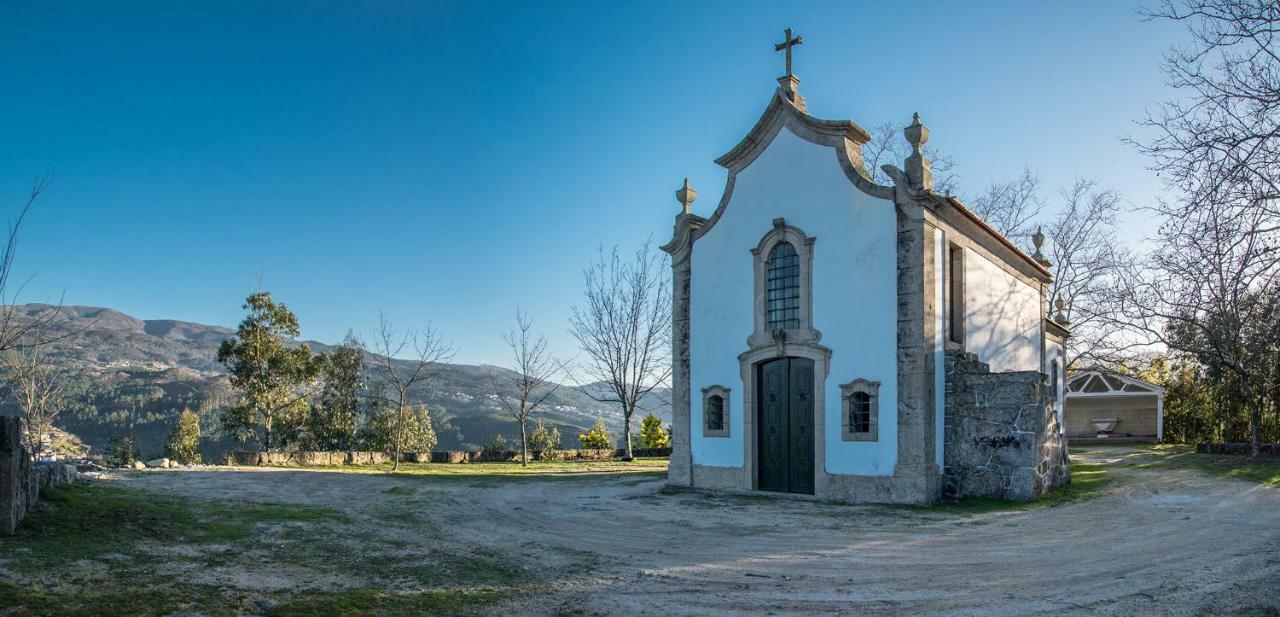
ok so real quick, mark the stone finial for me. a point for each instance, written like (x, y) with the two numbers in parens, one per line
(686, 196)
(1037, 239)
(1060, 317)
(919, 172)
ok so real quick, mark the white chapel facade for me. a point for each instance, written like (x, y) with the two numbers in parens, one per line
(817, 314)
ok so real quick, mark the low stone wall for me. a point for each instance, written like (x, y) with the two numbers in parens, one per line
(1265, 449)
(21, 479)
(1002, 435)
(308, 459)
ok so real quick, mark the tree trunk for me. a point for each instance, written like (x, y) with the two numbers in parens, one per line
(1255, 429)
(626, 431)
(524, 442)
(395, 464)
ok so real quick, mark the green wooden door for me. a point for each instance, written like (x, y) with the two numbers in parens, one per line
(785, 430)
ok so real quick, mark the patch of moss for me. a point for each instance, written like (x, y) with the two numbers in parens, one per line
(140, 600)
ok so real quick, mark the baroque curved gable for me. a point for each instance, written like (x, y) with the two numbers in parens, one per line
(845, 138)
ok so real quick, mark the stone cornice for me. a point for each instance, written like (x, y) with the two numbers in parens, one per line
(994, 241)
(1056, 331)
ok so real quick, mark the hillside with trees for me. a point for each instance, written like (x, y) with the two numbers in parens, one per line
(125, 376)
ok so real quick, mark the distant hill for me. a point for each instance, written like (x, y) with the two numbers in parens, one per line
(125, 372)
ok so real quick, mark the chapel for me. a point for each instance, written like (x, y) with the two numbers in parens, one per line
(854, 341)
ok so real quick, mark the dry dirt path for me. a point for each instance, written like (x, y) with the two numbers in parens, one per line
(1162, 542)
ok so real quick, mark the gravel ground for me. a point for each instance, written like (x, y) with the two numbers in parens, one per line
(1165, 541)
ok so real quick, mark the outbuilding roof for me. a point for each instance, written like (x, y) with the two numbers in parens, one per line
(1098, 382)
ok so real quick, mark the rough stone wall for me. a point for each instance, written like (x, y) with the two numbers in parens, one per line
(1002, 435)
(21, 479)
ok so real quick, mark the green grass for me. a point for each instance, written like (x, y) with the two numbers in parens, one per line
(389, 602)
(1088, 480)
(108, 550)
(487, 475)
(87, 521)
(1262, 470)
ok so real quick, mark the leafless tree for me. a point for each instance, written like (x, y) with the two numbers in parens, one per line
(531, 384)
(625, 329)
(1219, 142)
(1086, 255)
(17, 328)
(888, 146)
(1208, 290)
(1010, 207)
(429, 352)
(34, 381)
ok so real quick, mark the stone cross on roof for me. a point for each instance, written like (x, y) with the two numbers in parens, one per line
(787, 43)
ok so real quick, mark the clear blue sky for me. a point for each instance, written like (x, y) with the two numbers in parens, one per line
(449, 161)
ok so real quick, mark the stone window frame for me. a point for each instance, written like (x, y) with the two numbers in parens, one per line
(803, 244)
(723, 393)
(847, 390)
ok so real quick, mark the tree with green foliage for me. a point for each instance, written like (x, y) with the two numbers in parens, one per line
(543, 437)
(389, 429)
(274, 378)
(597, 438)
(184, 439)
(652, 435)
(332, 425)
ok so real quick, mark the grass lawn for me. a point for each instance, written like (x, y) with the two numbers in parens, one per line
(1262, 470)
(98, 549)
(1087, 480)
(539, 470)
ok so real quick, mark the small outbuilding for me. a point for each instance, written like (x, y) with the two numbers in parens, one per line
(1101, 405)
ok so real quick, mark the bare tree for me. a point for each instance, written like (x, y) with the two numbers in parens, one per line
(1210, 292)
(34, 381)
(531, 384)
(887, 146)
(17, 328)
(1010, 207)
(429, 351)
(625, 330)
(1209, 289)
(1219, 142)
(1086, 255)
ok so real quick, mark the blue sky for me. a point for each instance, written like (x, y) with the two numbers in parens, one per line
(450, 161)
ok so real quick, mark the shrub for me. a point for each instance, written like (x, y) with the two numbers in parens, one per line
(124, 451)
(543, 437)
(419, 436)
(497, 446)
(652, 435)
(597, 438)
(184, 438)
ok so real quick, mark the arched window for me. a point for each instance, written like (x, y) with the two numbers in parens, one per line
(783, 278)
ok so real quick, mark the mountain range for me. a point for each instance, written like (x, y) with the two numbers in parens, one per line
(125, 375)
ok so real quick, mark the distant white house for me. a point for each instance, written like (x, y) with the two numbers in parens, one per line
(1105, 405)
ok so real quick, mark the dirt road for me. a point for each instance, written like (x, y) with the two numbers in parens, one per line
(1162, 541)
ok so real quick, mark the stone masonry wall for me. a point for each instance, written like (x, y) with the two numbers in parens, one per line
(21, 479)
(1002, 435)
